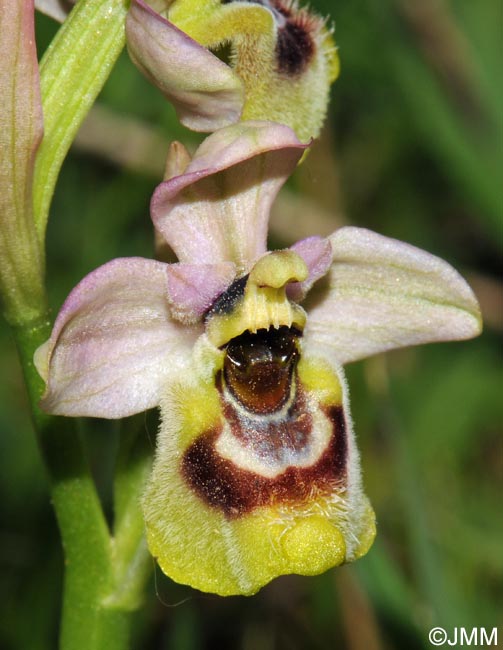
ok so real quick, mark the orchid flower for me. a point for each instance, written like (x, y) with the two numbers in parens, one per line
(281, 64)
(256, 472)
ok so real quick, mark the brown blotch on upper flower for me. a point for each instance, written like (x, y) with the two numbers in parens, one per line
(295, 46)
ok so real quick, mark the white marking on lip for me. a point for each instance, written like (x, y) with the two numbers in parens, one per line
(228, 446)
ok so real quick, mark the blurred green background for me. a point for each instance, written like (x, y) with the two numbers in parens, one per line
(412, 149)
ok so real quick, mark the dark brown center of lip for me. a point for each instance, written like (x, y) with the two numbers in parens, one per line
(258, 368)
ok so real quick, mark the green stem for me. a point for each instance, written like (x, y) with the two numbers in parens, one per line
(104, 576)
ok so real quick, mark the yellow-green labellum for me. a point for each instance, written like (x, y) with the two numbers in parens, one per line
(256, 473)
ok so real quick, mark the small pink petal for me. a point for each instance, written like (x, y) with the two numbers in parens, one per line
(317, 254)
(218, 209)
(207, 93)
(114, 343)
(192, 288)
(384, 294)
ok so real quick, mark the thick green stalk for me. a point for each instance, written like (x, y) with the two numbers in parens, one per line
(104, 576)
(87, 622)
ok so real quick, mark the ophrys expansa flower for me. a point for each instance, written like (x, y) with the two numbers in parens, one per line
(256, 472)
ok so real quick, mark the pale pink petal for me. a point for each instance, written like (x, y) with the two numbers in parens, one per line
(192, 288)
(218, 209)
(114, 343)
(383, 294)
(317, 254)
(206, 93)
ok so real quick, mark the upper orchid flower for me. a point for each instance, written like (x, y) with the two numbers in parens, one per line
(282, 61)
(256, 472)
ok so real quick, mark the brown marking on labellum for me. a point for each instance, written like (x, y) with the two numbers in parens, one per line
(294, 47)
(234, 491)
(258, 368)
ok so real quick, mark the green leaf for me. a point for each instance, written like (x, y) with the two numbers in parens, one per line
(73, 71)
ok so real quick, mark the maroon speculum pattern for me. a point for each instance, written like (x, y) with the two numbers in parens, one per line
(234, 491)
(260, 380)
